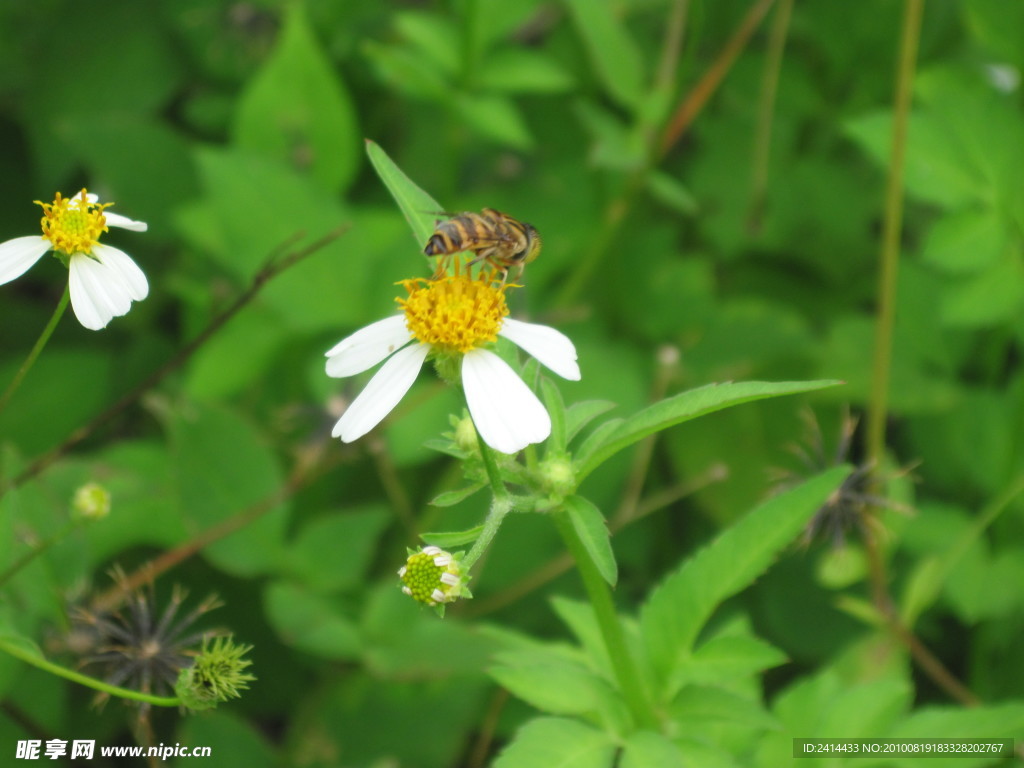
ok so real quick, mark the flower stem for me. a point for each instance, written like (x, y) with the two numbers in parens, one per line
(892, 225)
(28, 657)
(501, 505)
(608, 622)
(499, 508)
(491, 467)
(40, 343)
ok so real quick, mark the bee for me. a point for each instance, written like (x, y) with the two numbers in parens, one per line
(496, 238)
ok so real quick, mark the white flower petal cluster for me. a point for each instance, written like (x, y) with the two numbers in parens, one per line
(103, 280)
(506, 412)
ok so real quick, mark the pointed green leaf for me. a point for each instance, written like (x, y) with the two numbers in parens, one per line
(555, 742)
(590, 527)
(614, 54)
(556, 409)
(296, 109)
(680, 606)
(644, 749)
(449, 539)
(578, 415)
(451, 498)
(418, 207)
(686, 406)
(551, 682)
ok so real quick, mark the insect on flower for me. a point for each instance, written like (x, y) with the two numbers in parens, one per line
(495, 237)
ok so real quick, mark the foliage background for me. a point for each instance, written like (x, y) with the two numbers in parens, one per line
(231, 126)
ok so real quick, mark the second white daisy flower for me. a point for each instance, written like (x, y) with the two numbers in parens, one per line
(103, 280)
(453, 318)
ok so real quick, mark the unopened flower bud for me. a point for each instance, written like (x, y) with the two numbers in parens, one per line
(91, 502)
(557, 475)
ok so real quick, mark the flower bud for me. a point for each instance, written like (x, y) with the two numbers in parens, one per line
(91, 502)
(433, 576)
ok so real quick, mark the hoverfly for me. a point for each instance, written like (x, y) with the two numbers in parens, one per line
(496, 238)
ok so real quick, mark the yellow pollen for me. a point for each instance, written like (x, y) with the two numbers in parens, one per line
(73, 224)
(454, 312)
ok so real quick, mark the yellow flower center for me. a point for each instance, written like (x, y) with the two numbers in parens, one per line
(73, 225)
(454, 313)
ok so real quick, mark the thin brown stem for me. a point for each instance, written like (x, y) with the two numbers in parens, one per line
(484, 740)
(698, 96)
(272, 268)
(309, 465)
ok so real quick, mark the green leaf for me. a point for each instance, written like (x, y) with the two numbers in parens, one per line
(495, 117)
(451, 498)
(988, 298)
(309, 622)
(679, 607)
(672, 193)
(555, 742)
(700, 706)
(645, 749)
(236, 741)
(240, 226)
(424, 30)
(419, 208)
(520, 70)
(967, 241)
(549, 681)
(726, 659)
(313, 558)
(556, 409)
(296, 109)
(590, 527)
(578, 415)
(449, 539)
(937, 169)
(686, 406)
(614, 54)
(223, 468)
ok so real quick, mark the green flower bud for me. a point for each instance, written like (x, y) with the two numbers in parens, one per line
(557, 476)
(215, 676)
(91, 502)
(465, 435)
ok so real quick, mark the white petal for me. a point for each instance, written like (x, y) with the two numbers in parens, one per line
(382, 393)
(117, 220)
(121, 263)
(17, 255)
(507, 414)
(367, 347)
(552, 348)
(98, 294)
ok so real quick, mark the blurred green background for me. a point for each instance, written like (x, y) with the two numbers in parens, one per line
(231, 127)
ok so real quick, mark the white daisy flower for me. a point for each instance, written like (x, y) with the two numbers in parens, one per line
(103, 280)
(452, 319)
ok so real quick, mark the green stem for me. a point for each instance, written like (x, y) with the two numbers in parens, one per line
(608, 622)
(501, 505)
(878, 405)
(499, 508)
(28, 657)
(40, 343)
(491, 467)
(35, 551)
